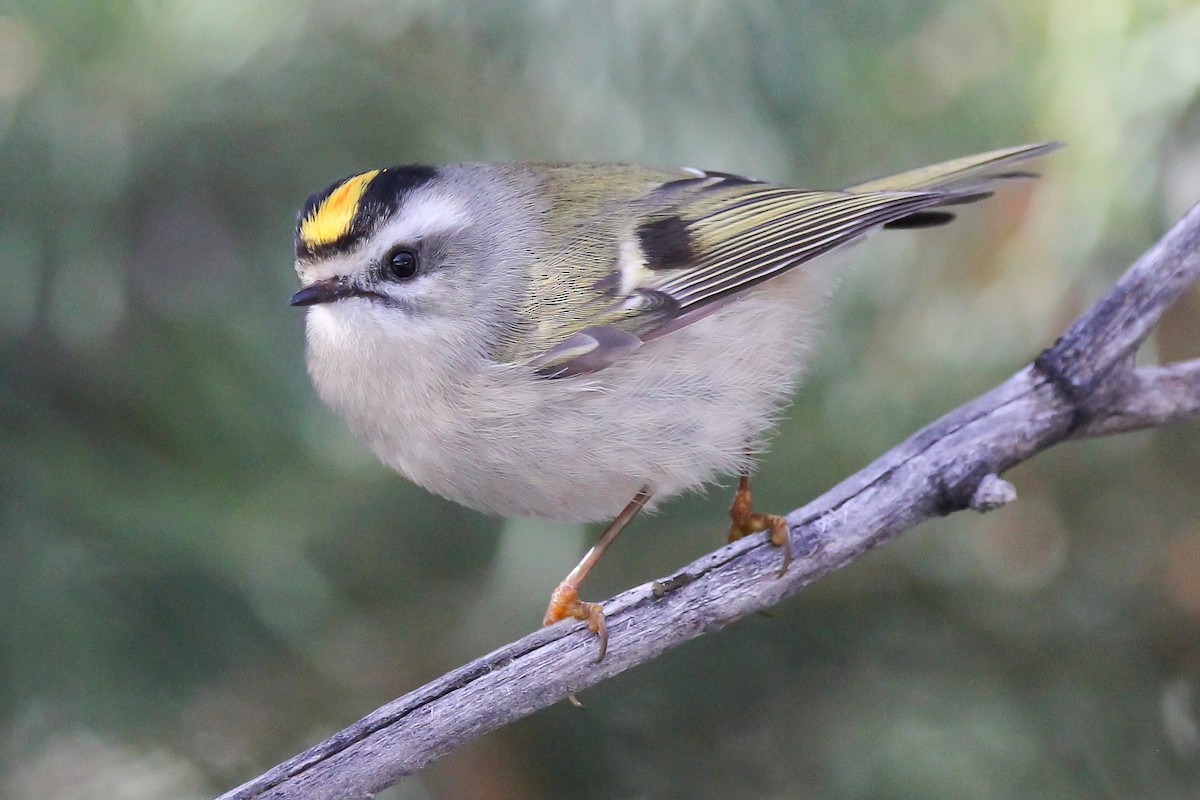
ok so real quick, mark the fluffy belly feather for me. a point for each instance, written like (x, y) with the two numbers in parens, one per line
(684, 410)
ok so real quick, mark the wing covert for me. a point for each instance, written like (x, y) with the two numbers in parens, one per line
(702, 238)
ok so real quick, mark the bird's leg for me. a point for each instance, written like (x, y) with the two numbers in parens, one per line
(745, 521)
(565, 602)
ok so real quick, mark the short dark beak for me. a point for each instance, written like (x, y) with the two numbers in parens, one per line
(323, 292)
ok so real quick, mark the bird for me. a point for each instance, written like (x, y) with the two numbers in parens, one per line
(581, 341)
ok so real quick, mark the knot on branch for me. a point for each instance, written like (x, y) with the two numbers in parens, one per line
(991, 493)
(1050, 362)
(1054, 365)
(1090, 392)
(965, 492)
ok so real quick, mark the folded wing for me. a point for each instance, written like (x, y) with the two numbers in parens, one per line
(700, 241)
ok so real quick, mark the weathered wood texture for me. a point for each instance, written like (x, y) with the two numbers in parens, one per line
(1083, 385)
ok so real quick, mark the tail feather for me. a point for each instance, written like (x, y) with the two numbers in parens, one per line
(964, 180)
(969, 175)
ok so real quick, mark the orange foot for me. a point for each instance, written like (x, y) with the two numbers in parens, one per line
(565, 602)
(745, 521)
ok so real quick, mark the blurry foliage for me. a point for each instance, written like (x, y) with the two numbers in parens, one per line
(203, 573)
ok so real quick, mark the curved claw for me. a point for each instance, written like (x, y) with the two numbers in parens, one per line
(565, 603)
(745, 521)
(780, 538)
(596, 624)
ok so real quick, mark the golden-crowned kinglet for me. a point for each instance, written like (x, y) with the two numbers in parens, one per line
(552, 340)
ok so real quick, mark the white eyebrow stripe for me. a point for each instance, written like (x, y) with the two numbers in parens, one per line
(422, 215)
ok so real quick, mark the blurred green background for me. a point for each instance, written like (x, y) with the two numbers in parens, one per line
(202, 573)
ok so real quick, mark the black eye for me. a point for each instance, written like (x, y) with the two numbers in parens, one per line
(401, 264)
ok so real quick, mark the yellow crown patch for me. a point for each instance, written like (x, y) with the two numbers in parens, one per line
(331, 219)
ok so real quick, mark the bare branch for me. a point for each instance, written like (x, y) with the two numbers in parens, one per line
(1154, 396)
(1084, 385)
